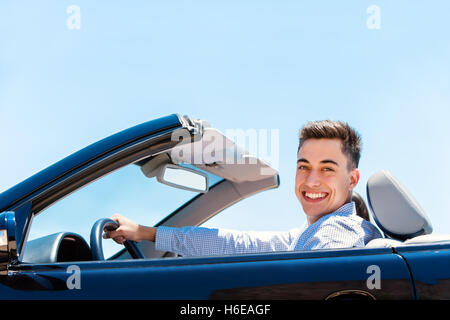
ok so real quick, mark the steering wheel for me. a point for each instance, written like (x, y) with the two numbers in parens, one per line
(96, 240)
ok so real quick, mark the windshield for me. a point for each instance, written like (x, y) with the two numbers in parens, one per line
(126, 191)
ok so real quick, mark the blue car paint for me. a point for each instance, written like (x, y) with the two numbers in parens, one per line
(199, 278)
(430, 266)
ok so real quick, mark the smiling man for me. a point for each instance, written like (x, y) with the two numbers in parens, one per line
(327, 172)
(327, 167)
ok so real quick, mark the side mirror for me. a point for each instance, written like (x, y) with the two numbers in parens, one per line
(183, 178)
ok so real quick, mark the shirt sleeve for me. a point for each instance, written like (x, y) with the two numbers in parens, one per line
(200, 241)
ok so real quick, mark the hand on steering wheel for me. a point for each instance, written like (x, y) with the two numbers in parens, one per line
(96, 239)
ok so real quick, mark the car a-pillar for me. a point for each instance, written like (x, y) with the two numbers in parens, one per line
(8, 245)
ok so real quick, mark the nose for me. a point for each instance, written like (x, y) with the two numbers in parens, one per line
(313, 179)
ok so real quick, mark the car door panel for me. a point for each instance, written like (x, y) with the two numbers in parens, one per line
(293, 275)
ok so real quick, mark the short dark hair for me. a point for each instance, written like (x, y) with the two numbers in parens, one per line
(328, 129)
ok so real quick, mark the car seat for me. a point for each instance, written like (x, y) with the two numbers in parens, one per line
(397, 214)
(360, 206)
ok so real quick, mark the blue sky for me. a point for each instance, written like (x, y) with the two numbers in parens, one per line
(238, 64)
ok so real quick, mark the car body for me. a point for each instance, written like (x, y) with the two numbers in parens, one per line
(60, 266)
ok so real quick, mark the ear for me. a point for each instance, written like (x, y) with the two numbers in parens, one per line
(354, 178)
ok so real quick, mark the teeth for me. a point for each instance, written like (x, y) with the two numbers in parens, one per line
(315, 195)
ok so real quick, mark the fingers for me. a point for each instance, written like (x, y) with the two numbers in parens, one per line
(111, 234)
(116, 217)
(127, 230)
(119, 240)
(117, 235)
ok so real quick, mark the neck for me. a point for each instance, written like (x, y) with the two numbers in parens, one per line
(313, 219)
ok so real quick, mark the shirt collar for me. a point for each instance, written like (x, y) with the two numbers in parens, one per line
(346, 210)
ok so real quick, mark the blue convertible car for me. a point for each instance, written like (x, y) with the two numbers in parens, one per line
(178, 171)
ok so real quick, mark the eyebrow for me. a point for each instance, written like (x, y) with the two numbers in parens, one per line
(323, 161)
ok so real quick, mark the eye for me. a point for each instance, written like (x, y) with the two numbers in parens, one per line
(328, 169)
(302, 167)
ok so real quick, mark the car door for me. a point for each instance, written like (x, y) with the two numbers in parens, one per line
(323, 274)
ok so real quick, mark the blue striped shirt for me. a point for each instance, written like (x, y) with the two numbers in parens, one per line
(340, 229)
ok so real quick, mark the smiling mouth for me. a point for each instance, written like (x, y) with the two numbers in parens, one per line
(314, 196)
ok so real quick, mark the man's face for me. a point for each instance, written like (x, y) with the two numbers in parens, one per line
(323, 182)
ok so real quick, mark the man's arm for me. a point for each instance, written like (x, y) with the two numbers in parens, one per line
(199, 241)
(129, 230)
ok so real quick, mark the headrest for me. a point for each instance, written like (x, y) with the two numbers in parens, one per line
(394, 209)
